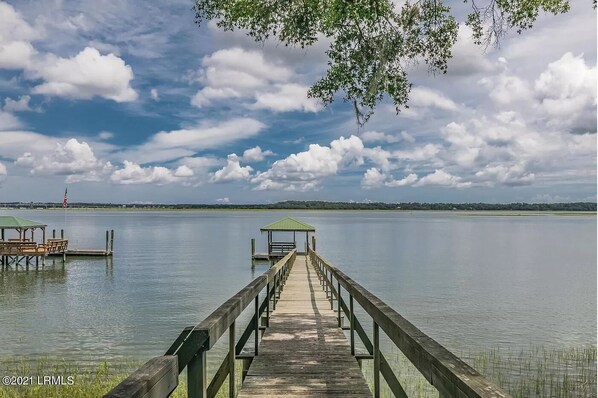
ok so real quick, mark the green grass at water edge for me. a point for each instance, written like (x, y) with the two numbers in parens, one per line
(533, 372)
(91, 381)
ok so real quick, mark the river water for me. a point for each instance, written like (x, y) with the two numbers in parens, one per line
(469, 281)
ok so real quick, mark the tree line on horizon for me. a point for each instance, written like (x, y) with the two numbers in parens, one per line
(323, 205)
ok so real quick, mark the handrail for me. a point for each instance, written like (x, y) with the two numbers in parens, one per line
(445, 371)
(156, 379)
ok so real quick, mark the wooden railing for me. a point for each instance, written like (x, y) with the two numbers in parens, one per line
(12, 248)
(29, 248)
(159, 376)
(445, 371)
(56, 245)
(281, 247)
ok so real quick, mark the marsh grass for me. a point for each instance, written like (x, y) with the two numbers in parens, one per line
(91, 380)
(533, 372)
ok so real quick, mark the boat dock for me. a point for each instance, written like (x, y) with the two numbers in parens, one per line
(24, 248)
(303, 333)
(278, 249)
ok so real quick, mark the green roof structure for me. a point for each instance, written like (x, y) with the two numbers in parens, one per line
(12, 222)
(288, 224)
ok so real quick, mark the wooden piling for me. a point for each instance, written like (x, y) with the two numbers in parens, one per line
(107, 240)
(111, 241)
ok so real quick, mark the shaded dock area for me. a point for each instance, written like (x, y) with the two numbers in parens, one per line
(303, 352)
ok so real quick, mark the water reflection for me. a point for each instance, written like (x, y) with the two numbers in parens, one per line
(479, 282)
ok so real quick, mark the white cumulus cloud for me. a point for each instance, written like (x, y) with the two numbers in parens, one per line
(86, 75)
(233, 171)
(73, 158)
(441, 177)
(132, 174)
(19, 105)
(83, 76)
(237, 73)
(305, 170)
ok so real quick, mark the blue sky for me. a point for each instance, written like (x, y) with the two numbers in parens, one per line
(133, 102)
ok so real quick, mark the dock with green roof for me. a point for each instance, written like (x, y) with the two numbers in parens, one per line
(277, 249)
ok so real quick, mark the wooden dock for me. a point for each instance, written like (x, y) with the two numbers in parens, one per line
(83, 253)
(304, 352)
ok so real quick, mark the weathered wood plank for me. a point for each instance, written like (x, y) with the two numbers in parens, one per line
(304, 352)
(156, 379)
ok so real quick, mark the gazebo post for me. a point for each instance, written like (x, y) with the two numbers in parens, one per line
(306, 241)
(45, 247)
(269, 243)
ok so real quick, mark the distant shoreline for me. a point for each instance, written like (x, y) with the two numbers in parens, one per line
(473, 212)
(569, 207)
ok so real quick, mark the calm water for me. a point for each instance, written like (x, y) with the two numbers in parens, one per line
(468, 281)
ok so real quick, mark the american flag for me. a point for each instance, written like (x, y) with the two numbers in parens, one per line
(65, 201)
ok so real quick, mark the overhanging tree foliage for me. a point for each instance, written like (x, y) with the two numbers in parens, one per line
(373, 41)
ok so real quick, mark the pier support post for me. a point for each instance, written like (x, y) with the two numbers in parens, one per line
(268, 305)
(376, 361)
(257, 325)
(53, 234)
(197, 379)
(111, 241)
(352, 316)
(107, 241)
(62, 234)
(231, 361)
(338, 303)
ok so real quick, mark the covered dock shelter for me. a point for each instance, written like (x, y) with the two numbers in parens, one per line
(278, 249)
(18, 241)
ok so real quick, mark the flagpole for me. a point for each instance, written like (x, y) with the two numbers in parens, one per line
(64, 206)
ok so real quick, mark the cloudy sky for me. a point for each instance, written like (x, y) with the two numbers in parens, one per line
(126, 101)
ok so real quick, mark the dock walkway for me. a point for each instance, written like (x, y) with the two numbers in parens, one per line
(304, 352)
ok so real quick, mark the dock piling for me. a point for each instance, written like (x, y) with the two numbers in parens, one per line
(111, 241)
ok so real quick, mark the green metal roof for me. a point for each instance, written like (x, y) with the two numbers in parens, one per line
(12, 222)
(288, 224)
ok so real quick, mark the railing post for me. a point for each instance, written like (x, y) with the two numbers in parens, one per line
(197, 380)
(338, 303)
(331, 293)
(231, 361)
(268, 305)
(257, 323)
(376, 360)
(275, 292)
(352, 315)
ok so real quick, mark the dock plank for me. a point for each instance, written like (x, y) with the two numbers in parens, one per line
(304, 353)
